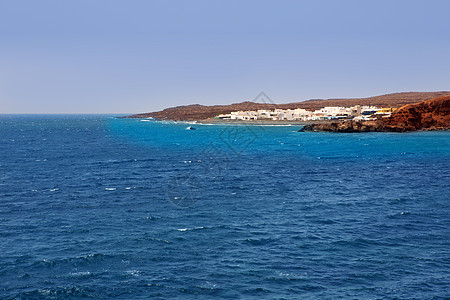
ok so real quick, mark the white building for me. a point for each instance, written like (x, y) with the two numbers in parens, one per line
(300, 114)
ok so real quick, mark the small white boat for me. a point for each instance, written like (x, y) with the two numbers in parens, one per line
(190, 128)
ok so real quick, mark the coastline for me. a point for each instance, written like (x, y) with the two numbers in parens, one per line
(433, 114)
(246, 123)
(255, 122)
(238, 122)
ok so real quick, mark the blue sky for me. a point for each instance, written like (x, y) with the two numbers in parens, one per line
(108, 56)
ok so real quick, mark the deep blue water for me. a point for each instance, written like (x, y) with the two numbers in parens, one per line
(98, 207)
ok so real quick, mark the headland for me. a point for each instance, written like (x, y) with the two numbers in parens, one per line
(431, 114)
(396, 112)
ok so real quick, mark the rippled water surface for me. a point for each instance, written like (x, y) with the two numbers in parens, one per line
(99, 207)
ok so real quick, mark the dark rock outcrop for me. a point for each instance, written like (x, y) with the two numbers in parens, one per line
(432, 114)
(345, 126)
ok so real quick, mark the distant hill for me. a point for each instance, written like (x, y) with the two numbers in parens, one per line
(202, 112)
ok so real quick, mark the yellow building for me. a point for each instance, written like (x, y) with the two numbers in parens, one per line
(385, 110)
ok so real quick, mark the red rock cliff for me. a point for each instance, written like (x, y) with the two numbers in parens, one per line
(432, 114)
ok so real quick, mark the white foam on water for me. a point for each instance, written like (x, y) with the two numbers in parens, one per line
(194, 228)
(81, 273)
(135, 273)
(110, 189)
(44, 292)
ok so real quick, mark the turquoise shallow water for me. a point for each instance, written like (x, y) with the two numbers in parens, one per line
(98, 207)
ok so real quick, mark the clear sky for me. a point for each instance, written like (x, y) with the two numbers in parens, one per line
(129, 56)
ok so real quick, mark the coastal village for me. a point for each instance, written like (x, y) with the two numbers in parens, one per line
(357, 113)
(398, 112)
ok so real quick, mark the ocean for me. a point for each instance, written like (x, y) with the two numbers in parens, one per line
(92, 206)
